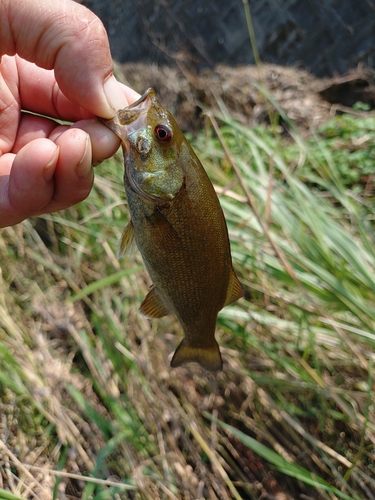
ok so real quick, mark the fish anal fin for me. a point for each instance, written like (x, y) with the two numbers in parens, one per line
(153, 306)
(208, 357)
(235, 290)
(127, 243)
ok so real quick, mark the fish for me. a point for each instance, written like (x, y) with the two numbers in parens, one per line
(178, 225)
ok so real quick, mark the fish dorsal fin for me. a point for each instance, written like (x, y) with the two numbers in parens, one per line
(208, 357)
(235, 290)
(127, 243)
(153, 306)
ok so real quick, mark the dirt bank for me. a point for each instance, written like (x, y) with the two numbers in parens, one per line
(305, 99)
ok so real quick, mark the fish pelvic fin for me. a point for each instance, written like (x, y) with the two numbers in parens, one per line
(127, 243)
(153, 306)
(208, 357)
(235, 290)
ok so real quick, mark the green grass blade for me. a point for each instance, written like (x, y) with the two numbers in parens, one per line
(6, 495)
(106, 281)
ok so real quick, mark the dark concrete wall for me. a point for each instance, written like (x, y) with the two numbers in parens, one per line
(323, 36)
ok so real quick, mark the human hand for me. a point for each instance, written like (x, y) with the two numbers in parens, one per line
(56, 62)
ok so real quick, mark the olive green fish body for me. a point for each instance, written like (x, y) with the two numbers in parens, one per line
(179, 228)
(190, 273)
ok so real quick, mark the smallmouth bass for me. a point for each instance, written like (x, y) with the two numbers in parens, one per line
(178, 226)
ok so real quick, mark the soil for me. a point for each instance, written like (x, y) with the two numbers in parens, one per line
(306, 100)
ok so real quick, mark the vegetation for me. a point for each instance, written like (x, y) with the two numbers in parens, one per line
(89, 407)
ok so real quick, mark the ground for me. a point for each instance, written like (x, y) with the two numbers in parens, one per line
(85, 383)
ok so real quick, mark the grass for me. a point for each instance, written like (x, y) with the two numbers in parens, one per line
(89, 407)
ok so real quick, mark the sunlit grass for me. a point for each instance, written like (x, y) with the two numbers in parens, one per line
(89, 405)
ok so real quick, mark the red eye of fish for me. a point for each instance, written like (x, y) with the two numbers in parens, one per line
(163, 133)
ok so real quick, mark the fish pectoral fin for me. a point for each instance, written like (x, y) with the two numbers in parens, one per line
(235, 290)
(166, 232)
(208, 357)
(127, 243)
(153, 306)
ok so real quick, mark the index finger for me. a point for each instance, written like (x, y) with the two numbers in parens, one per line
(40, 93)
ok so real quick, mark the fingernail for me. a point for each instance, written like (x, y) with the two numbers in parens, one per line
(114, 95)
(84, 166)
(49, 169)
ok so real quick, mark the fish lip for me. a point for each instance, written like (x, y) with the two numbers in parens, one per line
(142, 104)
(148, 94)
(128, 115)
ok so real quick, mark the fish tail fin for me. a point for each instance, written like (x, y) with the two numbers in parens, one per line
(208, 357)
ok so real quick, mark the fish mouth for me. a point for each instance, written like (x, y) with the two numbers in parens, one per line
(132, 112)
(149, 94)
(128, 115)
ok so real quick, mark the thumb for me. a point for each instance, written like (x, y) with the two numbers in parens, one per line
(68, 38)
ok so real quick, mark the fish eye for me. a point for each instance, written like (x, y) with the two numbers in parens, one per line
(163, 133)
